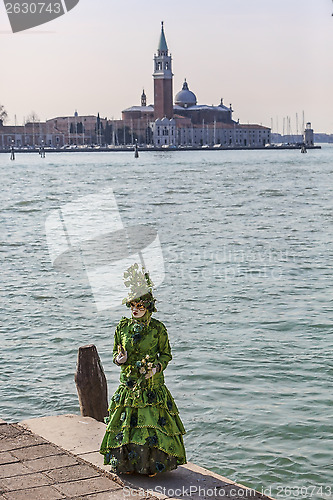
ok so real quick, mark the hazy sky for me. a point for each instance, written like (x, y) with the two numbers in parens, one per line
(269, 58)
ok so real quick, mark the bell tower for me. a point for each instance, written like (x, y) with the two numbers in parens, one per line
(163, 95)
(143, 98)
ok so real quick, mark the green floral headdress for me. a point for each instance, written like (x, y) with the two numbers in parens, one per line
(140, 287)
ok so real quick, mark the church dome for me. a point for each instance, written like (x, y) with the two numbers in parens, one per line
(185, 97)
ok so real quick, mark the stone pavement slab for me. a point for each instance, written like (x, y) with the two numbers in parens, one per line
(72, 473)
(43, 493)
(12, 470)
(7, 458)
(82, 436)
(50, 463)
(88, 487)
(37, 451)
(18, 441)
(25, 481)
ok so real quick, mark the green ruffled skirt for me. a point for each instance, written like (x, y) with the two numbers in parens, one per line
(144, 433)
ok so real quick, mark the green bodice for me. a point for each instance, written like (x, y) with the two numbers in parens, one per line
(141, 341)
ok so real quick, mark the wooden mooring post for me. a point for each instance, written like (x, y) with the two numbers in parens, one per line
(91, 384)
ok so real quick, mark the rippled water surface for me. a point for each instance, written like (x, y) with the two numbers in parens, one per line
(247, 300)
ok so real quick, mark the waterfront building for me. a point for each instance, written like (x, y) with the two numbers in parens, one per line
(31, 134)
(164, 132)
(185, 122)
(57, 132)
(80, 130)
(186, 105)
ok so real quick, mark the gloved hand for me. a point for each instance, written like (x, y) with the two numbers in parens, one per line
(122, 356)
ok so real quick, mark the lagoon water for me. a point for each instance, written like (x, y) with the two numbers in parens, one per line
(247, 300)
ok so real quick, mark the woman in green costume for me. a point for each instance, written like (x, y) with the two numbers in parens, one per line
(144, 431)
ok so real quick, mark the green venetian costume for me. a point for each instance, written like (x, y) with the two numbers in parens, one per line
(144, 431)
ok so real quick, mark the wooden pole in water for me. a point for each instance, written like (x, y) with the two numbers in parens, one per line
(91, 384)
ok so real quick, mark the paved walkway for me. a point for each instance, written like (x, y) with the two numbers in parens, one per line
(32, 468)
(81, 437)
(53, 458)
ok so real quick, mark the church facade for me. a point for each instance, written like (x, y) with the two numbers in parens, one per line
(182, 122)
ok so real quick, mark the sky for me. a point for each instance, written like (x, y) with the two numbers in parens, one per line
(270, 59)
